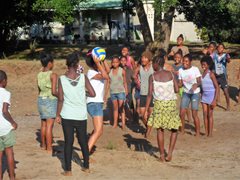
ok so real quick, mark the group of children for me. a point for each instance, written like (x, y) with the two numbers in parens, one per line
(155, 85)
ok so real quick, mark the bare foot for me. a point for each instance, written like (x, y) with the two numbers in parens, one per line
(168, 158)
(50, 152)
(86, 170)
(67, 173)
(162, 158)
(228, 108)
(43, 147)
(114, 127)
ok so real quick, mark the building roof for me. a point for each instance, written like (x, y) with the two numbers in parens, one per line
(101, 4)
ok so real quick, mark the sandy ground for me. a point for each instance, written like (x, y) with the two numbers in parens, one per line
(122, 154)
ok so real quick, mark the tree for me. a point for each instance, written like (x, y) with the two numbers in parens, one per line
(14, 14)
(147, 37)
(215, 16)
(22, 13)
(163, 17)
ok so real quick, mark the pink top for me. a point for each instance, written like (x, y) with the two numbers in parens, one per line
(129, 64)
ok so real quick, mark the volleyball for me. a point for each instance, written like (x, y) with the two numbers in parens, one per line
(99, 53)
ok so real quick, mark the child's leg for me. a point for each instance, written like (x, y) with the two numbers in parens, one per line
(1, 157)
(188, 111)
(115, 113)
(172, 143)
(81, 131)
(149, 128)
(160, 139)
(68, 131)
(43, 134)
(210, 128)
(98, 130)
(122, 112)
(182, 117)
(226, 93)
(11, 163)
(49, 136)
(205, 118)
(196, 122)
(185, 101)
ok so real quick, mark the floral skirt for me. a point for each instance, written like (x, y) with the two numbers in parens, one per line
(165, 115)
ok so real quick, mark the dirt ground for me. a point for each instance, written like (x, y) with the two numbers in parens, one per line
(122, 154)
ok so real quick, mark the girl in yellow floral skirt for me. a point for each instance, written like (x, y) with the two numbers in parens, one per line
(163, 87)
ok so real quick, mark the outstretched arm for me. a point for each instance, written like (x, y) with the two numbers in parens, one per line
(60, 102)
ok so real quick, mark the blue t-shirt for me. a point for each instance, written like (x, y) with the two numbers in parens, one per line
(220, 63)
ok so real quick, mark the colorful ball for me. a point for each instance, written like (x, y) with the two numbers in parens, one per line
(99, 53)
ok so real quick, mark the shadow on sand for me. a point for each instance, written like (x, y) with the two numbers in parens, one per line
(140, 145)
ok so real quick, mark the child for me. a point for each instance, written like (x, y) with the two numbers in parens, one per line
(47, 100)
(220, 68)
(72, 111)
(180, 45)
(7, 127)
(129, 73)
(163, 86)
(190, 80)
(209, 94)
(118, 91)
(175, 69)
(130, 61)
(210, 50)
(97, 75)
(145, 70)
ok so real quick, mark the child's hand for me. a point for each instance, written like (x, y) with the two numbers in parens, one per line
(194, 87)
(58, 119)
(145, 116)
(14, 125)
(214, 104)
(96, 60)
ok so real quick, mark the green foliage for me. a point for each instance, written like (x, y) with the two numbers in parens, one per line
(128, 6)
(203, 34)
(63, 10)
(220, 18)
(161, 6)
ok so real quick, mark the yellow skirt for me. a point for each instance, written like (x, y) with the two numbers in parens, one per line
(165, 115)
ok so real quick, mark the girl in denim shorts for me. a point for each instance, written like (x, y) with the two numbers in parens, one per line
(190, 80)
(47, 100)
(97, 74)
(118, 91)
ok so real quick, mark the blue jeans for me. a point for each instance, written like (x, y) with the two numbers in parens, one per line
(95, 109)
(118, 96)
(190, 98)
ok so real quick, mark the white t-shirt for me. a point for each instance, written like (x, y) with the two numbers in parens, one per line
(98, 86)
(189, 77)
(5, 125)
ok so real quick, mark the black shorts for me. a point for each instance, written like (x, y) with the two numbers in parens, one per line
(222, 81)
(143, 100)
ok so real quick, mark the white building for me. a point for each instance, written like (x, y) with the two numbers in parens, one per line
(93, 19)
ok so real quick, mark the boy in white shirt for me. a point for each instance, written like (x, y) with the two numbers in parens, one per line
(7, 125)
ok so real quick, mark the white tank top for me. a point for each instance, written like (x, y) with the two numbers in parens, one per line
(163, 91)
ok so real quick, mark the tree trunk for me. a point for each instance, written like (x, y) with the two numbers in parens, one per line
(3, 39)
(162, 30)
(147, 37)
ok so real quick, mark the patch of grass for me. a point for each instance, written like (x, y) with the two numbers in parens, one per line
(110, 146)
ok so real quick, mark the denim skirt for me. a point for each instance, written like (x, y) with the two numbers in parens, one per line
(47, 108)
